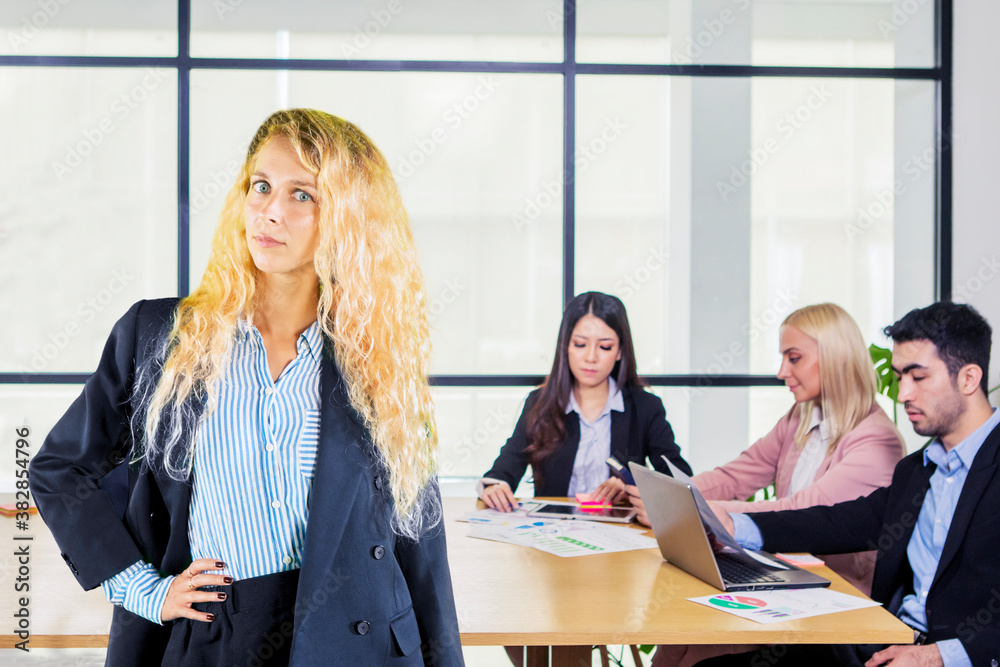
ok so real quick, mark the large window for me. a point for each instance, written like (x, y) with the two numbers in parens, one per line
(715, 163)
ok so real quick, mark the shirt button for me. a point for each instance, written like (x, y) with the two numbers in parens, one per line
(268, 391)
(950, 480)
(378, 552)
(378, 482)
(275, 504)
(287, 560)
(270, 447)
(362, 627)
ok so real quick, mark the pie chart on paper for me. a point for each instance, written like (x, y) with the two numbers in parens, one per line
(737, 602)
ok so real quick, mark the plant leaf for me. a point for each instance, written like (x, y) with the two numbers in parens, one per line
(888, 383)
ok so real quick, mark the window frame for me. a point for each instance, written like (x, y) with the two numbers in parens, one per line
(941, 75)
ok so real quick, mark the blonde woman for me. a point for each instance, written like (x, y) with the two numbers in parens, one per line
(834, 444)
(279, 432)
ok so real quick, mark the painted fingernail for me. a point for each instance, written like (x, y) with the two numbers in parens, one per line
(227, 580)
(222, 596)
(210, 617)
(219, 565)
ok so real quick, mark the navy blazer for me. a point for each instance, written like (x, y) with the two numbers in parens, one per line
(406, 600)
(640, 432)
(964, 599)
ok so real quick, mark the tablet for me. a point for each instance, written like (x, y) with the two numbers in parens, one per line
(554, 510)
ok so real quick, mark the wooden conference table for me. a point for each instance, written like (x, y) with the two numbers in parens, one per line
(505, 595)
(512, 595)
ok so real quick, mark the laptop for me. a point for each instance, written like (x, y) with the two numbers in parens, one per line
(683, 537)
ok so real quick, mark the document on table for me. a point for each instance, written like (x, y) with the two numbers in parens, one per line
(488, 516)
(561, 537)
(784, 605)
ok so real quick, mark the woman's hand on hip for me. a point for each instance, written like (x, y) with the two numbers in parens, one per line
(184, 591)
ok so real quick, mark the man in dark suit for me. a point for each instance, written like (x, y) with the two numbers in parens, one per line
(936, 527)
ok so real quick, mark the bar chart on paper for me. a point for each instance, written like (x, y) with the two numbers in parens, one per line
(562, 538)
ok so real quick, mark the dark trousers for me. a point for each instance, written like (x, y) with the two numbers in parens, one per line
(252, 626)
(797, 655)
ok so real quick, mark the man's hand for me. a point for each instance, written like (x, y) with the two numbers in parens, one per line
(640, 509)
(908, 656)
(183, 591)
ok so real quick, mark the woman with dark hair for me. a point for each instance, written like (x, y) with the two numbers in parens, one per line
(591, 406)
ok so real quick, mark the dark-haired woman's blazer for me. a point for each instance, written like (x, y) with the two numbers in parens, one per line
(640, 432)
(354, 606)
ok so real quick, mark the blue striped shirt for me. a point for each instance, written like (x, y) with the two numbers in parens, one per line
(254, 460)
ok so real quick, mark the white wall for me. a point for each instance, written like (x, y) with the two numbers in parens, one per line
(977, 163)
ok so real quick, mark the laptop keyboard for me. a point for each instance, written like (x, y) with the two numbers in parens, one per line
(736, 571)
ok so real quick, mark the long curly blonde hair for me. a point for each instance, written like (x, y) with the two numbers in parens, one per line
(372, 308)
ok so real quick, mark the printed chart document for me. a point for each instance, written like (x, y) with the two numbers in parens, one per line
(560, 537)
(784, 605)
(501, 518)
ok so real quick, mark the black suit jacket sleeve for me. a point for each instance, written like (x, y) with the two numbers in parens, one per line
(89, 441)
(429, 580)
(846, 527)
(658, 440)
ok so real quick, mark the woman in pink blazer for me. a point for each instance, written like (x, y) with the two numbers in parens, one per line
(834, 444)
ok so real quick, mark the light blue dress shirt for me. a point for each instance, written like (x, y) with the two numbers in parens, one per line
(929, 535)
(590, 468)
(254, 460)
